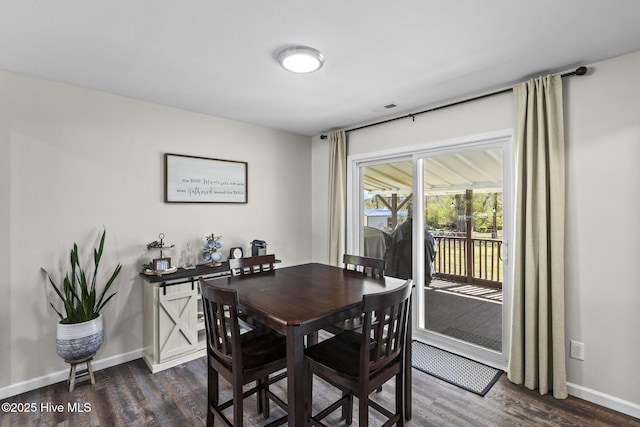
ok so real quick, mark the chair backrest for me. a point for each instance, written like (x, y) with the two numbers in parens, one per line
(384, 331)
(365, 265)
(221, 323)
(250, 265)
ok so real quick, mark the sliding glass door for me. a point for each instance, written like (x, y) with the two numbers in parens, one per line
(440, 215)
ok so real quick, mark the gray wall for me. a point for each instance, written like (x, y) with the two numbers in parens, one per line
(74, 160)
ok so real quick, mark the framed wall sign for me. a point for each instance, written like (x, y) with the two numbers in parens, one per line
(190, 179)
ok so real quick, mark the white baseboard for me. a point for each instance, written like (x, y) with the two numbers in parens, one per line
(56, 377)
(157, 367)
(608, 401)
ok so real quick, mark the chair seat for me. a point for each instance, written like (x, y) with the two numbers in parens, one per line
(340, 353)
(262, 350)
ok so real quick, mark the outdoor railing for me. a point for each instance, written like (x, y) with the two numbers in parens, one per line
(453, 254)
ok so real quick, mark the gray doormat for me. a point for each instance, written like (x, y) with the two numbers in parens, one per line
(473, 338)
(457, 370)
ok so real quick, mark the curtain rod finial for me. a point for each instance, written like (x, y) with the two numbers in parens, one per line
(323, 136)
(581, 71)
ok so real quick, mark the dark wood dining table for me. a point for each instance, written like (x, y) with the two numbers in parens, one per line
(298, 301)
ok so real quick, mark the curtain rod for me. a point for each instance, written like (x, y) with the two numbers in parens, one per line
(580, 71)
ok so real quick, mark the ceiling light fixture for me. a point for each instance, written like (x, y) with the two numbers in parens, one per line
(301, 59)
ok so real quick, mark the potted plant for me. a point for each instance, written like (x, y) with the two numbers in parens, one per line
(80, 329)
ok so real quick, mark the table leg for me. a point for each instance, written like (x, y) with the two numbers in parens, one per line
(295, 377)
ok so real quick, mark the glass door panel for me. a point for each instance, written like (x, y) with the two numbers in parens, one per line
(387, 209)
(462, 216)
(453, 200)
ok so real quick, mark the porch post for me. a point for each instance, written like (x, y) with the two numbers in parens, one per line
(468, 213)
(394, 210)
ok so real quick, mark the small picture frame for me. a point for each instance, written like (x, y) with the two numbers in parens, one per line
(236, 253)
(162, 264)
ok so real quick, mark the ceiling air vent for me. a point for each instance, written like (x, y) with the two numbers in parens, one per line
(385, 108)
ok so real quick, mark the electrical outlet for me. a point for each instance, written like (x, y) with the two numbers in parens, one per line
(576, 350)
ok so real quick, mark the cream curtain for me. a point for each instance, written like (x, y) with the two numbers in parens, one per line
(537, 353)
(337, 195)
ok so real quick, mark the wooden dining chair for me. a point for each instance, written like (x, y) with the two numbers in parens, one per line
(250, 265)
(368, 266)
(359, 363)
(239, 358)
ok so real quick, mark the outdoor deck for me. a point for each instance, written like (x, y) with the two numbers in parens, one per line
(468, 312)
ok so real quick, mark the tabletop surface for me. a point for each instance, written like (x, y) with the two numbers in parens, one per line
(297, 294)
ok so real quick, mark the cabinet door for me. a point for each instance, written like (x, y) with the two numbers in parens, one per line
(177, 321)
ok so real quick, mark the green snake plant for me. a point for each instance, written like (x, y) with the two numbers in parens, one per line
(79, 294)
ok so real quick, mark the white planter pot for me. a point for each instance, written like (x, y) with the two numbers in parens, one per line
(79, 340)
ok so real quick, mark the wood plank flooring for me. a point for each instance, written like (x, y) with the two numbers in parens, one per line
(129, 395)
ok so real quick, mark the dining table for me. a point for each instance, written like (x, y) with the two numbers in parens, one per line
(299, 300)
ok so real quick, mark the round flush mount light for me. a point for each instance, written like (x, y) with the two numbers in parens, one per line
(300, 59)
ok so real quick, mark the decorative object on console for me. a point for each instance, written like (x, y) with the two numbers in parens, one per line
(236, 253)
(258, 248)
(80, 329)
(162, 264)
(188, 258)
(211, 254)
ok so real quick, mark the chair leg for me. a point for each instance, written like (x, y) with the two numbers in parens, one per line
(212, 395)
(347, 407)
(308, 391)
(237, 403)
(400, 398)
(363, 408)
(265, 398)
(260, 395)
(213, 387)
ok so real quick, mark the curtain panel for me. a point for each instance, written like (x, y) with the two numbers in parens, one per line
(537, 351)
(337, 195)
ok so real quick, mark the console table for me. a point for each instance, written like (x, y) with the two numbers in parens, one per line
(173, 331)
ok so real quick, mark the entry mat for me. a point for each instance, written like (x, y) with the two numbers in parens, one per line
(457, 370)
(473, 338)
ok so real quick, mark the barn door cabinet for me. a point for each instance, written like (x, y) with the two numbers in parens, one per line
(173, 331)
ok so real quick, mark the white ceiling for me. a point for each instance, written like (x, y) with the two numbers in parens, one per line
(217, 57)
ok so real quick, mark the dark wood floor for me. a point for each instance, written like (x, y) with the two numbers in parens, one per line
(129, 395)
